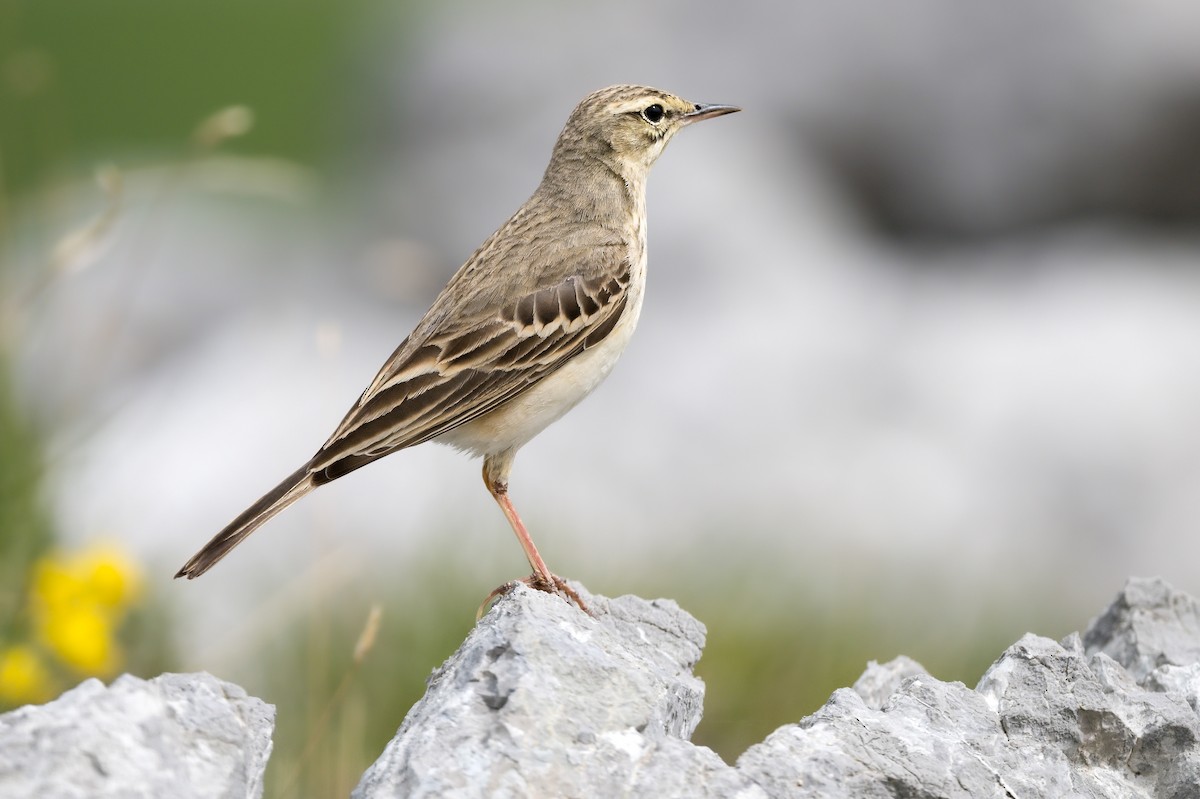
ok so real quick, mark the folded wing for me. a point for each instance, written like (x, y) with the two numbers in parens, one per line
(468, 369)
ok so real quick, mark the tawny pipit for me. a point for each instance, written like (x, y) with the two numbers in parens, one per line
(530, 324)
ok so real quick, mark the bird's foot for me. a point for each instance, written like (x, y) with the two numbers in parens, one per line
(553, 585)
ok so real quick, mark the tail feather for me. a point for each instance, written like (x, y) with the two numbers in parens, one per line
(291, 489)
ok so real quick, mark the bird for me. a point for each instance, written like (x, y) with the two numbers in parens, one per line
(525, 329)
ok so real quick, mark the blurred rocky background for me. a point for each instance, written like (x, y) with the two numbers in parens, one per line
(922, 336)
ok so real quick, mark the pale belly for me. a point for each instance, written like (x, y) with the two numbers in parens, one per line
(519, 420)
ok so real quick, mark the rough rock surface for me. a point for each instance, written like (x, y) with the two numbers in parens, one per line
(178, 735)
(544, 701)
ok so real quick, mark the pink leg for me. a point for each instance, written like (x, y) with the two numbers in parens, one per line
(541, 573)
(542, 578)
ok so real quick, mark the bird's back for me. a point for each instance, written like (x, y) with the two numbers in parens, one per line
(553, 281)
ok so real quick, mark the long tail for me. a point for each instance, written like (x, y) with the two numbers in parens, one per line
(291, 489)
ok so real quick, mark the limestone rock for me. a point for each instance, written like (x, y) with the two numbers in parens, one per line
(178, 735)
(542, 700)
(1046, 720)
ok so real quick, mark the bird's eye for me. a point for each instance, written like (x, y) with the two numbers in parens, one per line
(653, 113)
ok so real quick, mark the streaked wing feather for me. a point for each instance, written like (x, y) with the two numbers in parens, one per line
(460, 374)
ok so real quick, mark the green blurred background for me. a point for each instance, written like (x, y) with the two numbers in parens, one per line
(94, 81)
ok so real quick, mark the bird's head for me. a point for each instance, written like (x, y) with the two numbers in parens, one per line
(627, 127)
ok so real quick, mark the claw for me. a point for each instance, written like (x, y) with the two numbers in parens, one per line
(558, 586)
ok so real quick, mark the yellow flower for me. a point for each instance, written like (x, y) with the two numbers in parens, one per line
(79, 601)
(23, 676)
(110, 577)
(56, 585)
(82, 638)
(100, 575)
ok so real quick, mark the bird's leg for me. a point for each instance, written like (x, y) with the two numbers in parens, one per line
(541, 574)
(495, 478)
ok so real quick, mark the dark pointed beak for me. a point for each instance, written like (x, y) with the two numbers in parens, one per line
(703, 111)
